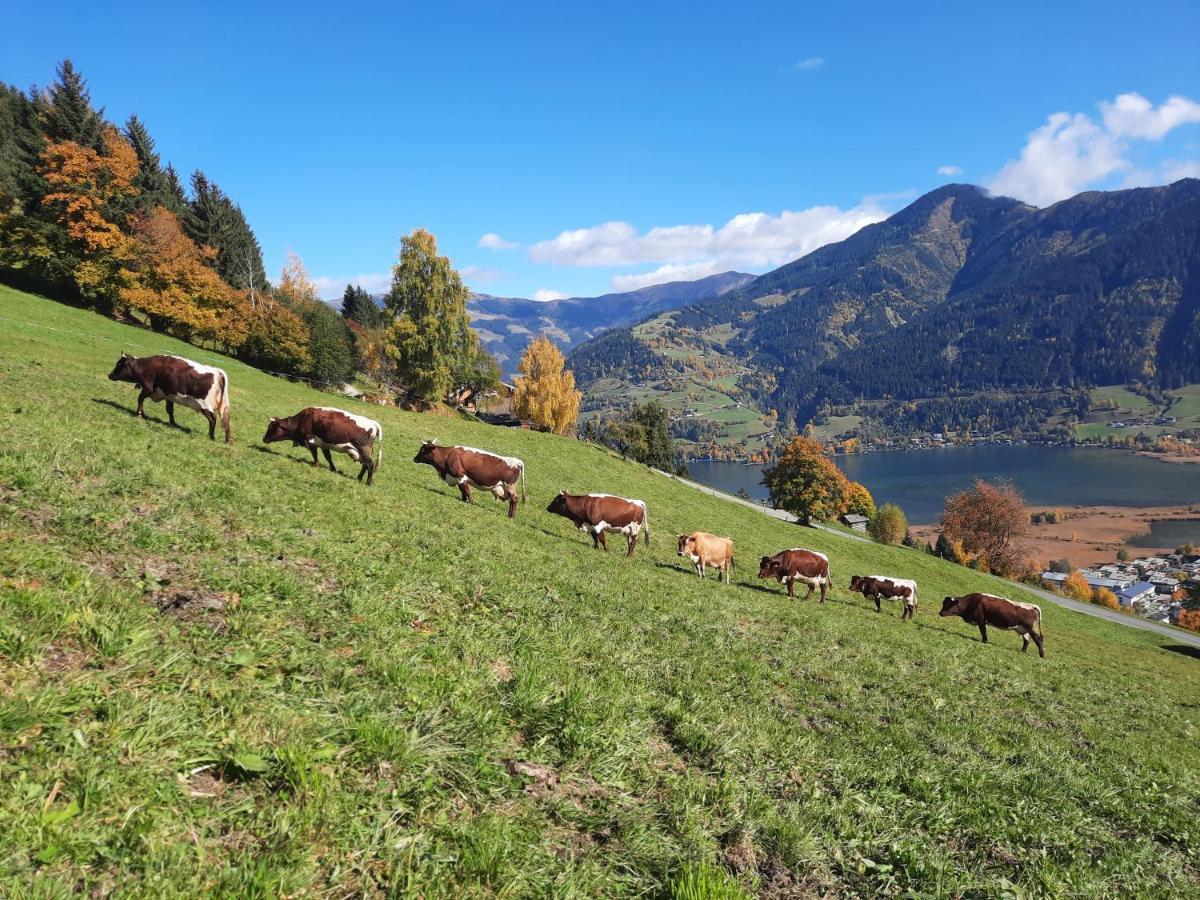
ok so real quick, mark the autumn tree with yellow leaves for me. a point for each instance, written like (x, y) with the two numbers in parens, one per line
(545, 392)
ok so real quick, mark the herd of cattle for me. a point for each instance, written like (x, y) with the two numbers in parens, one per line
(173, 379)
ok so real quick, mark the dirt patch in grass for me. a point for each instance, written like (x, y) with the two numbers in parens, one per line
(59, 660)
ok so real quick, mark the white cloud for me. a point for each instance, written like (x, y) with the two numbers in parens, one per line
(1073, 152)
(480, 273)
(1174, 169)
(330, 288)
(950, 171)
(753, 240)
(1132, 115)
(545, 295)
(812, 62)
(493, 241)
(664, 274)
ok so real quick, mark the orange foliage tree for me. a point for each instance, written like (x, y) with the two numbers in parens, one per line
(807, 484)
(1076, 587)
(1106, 598)
(169, 280)
(990, 520)
(1189, 619)
(88, 190)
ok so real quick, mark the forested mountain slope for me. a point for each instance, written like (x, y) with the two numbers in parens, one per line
(958, 295)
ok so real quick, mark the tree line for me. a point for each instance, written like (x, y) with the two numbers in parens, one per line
(91, 215)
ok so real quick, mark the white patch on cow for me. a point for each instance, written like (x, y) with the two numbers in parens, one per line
(370, 426)
(507, 460)
(210, 402)
(806, 550)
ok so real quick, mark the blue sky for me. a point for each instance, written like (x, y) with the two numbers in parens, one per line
(623, 144)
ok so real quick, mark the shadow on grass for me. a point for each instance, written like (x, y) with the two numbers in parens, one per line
(132, 411)
(1183, 650)
(304, 461)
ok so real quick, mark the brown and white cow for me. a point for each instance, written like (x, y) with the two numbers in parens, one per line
(705, 549)
(999, 612)
(177, 380)
(468, 467)
(601, 513)
(797, 564)
(326, 428)
(877, 586)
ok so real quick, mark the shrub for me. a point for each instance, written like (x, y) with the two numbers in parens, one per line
(1106, 598)
(1076, 587)
(888, 525)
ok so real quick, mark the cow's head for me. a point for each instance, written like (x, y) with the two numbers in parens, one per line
(857, 582)
(425, 452)
(768, 567)
(124, 369)
(558, 505)
(277, 430)
(685, 545)
(951, 606)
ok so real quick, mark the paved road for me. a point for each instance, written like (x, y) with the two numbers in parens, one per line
(1088, 609)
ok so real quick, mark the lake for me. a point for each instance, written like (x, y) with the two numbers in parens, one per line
(919, 480)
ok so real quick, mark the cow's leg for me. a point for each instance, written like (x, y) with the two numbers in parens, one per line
(631, 540)
(141, 413)
(368, 465)
(824, 588)
(212, 424)
(511, 497)
(465, 490)
(1037, 639)
(329, 459)
(1024, 640)
(171, 414)
(983, 630)
(312, 448)
(791, 589)
(602, 540)
(878, 607)
(700, 568)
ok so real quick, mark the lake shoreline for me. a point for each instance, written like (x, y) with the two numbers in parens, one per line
(1090, 534)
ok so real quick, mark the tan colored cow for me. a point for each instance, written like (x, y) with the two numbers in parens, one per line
(705, 549)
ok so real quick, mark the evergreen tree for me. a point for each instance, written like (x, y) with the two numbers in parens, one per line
(69, 115)
(151, 181)
(213, 220)
(175, 186)
(432, 335)
(361, 307)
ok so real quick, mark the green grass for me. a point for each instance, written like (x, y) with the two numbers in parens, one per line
(356, 717)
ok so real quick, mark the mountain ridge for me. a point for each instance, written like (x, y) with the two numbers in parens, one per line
(507, 324)
(958, 294)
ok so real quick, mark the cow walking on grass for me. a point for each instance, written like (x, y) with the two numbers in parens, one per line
(467, 467)
(704, 550)
(328, 429)
(600, 513)
(173, 379)
(797, 564)
(999, 612)
(877, 586)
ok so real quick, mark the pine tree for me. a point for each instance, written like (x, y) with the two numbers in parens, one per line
(69, 115)
(361, 307)
(432, 336)
(213, 220)
(152, 182)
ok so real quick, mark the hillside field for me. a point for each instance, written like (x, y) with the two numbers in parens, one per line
(225, 673)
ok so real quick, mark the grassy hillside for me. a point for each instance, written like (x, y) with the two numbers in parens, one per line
(223, 672)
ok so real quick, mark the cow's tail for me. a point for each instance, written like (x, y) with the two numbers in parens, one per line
(646, 524)
(522, 482)
(1037, 623)
(378, 448)
(223, 406)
